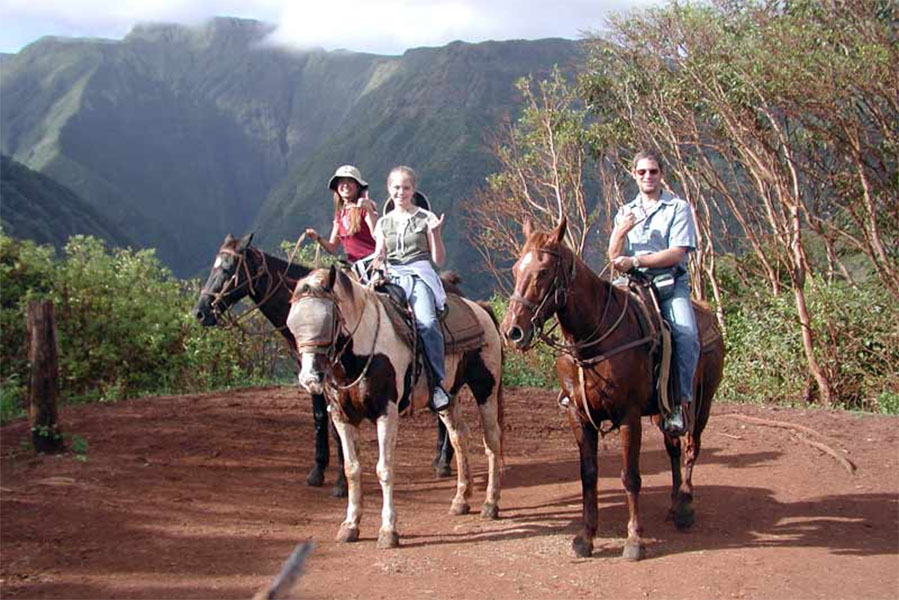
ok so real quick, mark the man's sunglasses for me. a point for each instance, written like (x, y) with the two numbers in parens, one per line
(642, 172)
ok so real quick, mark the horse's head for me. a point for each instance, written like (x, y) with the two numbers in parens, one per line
(541, 282)
(229, 280)
(314, 322)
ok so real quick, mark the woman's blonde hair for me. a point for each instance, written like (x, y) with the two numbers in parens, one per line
(408, 171)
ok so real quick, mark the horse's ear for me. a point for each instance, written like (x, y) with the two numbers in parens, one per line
(559, 232)
(527, 228)
(228, 238)
(245, 242)
(332, 278)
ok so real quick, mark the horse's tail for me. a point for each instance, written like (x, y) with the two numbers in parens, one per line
(499, 386)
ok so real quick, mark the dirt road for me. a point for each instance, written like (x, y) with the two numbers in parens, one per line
(204, 496)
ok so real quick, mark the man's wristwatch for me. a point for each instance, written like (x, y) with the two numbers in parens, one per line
(636, 262)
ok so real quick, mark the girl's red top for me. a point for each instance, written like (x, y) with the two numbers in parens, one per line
(356, 246)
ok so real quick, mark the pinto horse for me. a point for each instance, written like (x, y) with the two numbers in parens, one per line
(241, 270)
(353, 352)
(606, 370)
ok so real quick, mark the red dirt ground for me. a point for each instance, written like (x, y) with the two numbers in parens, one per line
(204, 496)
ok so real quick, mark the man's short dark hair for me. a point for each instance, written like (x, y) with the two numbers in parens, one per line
(647, 155)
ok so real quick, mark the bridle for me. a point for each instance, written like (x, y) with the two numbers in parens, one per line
(559, 289)
(234, 284)
(337, 326)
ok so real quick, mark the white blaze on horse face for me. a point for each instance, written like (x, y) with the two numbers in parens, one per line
(308, 378)
(218, 262)
(525, 261)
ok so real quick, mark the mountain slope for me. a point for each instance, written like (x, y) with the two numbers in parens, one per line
(180, 135)
(33, 206)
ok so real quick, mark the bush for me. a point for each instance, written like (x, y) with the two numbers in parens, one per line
(124, 326)
(856, 344)
(536, 368)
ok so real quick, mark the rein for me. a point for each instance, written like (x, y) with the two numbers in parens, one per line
(560, 289)
(233, 284)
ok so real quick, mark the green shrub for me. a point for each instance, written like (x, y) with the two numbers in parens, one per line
(856, 344)
(536, 368)
(124, 326)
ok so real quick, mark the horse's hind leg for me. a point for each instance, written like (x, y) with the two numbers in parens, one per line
(387, 426)
(349, 437)
(444, 457)
(458, 432)
(339, 490)
(492, 428)
(680, 511)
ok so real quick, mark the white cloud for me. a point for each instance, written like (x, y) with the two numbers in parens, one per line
(381, 26)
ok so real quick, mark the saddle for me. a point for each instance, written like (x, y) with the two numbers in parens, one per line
(646, 296)
(461, 329)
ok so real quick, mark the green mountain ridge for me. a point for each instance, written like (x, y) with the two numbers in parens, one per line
(180, 135)
(33, 206)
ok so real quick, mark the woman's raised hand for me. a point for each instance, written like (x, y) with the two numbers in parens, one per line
(434, 225)
(312, 234)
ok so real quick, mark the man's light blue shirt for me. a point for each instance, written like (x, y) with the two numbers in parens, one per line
(669, 224)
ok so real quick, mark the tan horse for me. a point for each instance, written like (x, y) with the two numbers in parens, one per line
(606, 369)
(353, 352)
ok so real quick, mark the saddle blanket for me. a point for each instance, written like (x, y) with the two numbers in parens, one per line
(461, 329)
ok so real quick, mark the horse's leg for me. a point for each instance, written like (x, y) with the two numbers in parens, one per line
(316, 476)
(458, 433)
(349, 437)
(387, 426)
(682, 502)
(339, 490)
(492, 429)
(680, 511)
(587, 440)
(631, 433)
(444, 457)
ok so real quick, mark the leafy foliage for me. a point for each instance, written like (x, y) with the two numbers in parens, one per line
(124, 326)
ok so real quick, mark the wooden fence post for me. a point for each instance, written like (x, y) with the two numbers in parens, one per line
(43, 388)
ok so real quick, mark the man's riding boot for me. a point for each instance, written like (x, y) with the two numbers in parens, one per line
(440, 400)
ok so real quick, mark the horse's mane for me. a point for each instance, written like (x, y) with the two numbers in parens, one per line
(279, 265)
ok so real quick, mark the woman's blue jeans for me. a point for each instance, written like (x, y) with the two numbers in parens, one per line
(428, 326)
(678, 312)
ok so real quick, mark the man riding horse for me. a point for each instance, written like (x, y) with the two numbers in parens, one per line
(655, 233)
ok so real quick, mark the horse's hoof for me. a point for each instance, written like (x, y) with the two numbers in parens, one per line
(316, 476)
(489, 511)
(633, 550)
(459, 508)
(442, 469)
(347, 534)
(339, 490)
(388, 539)
(582, 548)
(683, 518)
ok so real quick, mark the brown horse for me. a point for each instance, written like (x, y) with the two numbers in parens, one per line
(606, 369)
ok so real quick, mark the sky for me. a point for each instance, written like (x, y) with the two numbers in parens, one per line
(377, 26)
